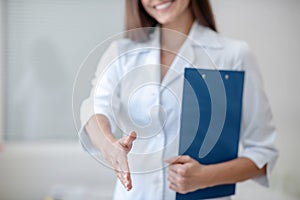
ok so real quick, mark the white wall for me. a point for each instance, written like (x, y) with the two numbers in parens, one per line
(1, 68)
(271, 27)
(47, 41)
(29, 171)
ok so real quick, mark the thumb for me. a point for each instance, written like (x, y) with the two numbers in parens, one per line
(178, 160)
(131, 137)
(127, 141)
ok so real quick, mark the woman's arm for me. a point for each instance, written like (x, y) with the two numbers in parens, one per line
(99, 131)
(114, 151)
(186, 174)
(237, 170)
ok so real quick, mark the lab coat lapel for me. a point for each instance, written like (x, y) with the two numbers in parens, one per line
(185, 58)
(200, 40)
(151, 61)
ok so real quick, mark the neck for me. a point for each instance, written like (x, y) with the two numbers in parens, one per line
(173, 40)
(183, 24)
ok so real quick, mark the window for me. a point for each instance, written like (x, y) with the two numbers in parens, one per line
(45, 42)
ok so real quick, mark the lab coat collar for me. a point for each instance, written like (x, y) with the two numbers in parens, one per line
(199, 36)
(203, 36)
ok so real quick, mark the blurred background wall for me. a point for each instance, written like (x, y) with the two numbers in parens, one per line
(43, 44)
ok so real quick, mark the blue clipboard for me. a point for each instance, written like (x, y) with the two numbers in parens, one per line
(210, 122)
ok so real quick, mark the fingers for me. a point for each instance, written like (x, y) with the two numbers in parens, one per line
(125, 179)
(178, 183)
(178, 160)
(173, 187)
(120, 162)
(178, 189)
(172, 177)
(122, 170)
(177, 168)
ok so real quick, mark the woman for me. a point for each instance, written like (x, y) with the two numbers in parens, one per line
(182, 174)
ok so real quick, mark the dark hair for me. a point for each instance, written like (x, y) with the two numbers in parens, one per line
(137, 17)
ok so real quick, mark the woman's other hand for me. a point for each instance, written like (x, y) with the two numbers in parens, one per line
(186, 174)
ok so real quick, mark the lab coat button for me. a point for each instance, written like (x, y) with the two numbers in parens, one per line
(159, 135)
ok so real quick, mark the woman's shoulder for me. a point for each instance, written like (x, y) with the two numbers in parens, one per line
(237, 52)
(233, 44)
(218, 41)
(227, 50)
(237, 49)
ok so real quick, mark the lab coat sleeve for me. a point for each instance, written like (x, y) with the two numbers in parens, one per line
(100, 100)
(257, 130)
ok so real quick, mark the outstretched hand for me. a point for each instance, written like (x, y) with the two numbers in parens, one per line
(117, 157)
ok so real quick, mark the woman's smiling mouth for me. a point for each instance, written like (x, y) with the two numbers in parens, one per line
(163, 5)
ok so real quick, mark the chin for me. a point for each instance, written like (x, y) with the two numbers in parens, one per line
(164, 21)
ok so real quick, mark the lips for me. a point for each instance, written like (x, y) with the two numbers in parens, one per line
(163, 5)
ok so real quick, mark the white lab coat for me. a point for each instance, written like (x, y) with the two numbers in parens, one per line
(130, 94)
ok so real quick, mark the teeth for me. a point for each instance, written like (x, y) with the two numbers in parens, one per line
(163, 6)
